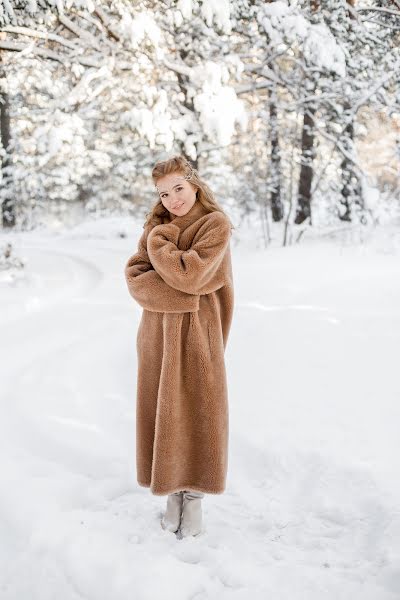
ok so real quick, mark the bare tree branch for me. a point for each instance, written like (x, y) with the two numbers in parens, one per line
(41, 35)
(182, 69)
(106, 22)
(390, 11)
(78, 31)
(45, 53)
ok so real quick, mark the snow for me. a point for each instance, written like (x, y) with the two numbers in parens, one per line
(155, 123)
(212, 11)
(139, 28)
(218, 11)
(311, 508)
(321, 49)
(218, 106)
(186, 8)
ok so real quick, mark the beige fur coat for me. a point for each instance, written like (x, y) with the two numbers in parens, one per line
(181, 276)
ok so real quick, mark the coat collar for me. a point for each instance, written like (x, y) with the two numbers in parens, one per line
(196, 212)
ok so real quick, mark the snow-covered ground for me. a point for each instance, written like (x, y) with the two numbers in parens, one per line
(312, 506)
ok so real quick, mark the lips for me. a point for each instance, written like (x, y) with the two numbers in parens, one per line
(179, 206)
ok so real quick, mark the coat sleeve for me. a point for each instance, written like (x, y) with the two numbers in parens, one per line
(150, 291)
(197, 270)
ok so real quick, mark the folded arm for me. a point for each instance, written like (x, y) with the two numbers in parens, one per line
(197, 270)
(149, 289)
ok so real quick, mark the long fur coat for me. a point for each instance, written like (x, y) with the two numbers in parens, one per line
(181, 276)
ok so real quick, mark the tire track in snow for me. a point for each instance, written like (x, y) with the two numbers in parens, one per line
(82, 278)
(37, 340)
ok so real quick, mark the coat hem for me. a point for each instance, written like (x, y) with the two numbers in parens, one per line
(194, 488)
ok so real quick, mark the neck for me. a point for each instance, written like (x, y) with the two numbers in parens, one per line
(196, 212)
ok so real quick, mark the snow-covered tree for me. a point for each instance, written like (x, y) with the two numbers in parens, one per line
(269, 99)
(126, 85)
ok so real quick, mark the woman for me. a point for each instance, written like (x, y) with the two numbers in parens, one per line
(181, 276)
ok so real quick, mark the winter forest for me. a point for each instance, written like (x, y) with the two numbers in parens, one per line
(290, 111)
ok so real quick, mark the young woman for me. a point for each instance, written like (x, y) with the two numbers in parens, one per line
(181, 275)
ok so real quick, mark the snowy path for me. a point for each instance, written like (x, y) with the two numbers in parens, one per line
(311, 510)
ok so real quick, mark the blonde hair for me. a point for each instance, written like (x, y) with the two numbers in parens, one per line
(179, 164)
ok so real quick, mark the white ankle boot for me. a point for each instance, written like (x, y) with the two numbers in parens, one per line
(172, 517)
(191, 521)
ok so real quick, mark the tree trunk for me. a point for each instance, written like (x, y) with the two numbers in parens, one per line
(7, 202)
(303, 210)
(275, 174)
(351, 197)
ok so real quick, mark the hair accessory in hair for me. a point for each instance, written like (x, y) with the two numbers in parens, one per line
(187, 177)
(190, 174)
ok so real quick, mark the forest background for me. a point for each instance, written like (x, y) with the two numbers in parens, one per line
(290, 110)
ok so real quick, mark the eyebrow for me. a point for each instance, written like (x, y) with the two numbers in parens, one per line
(174, 186)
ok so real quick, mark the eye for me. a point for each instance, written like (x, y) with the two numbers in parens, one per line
(179, 189)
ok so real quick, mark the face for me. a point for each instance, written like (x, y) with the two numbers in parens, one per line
(176, 194)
